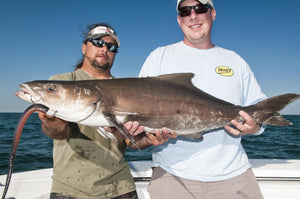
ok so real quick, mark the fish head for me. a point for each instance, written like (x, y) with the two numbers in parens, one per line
(69, 100)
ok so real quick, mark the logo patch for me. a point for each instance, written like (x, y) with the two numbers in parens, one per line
(224, 71)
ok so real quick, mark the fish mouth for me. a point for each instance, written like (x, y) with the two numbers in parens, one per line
(27, 94)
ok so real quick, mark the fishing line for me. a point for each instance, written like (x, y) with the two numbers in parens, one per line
(31, 109)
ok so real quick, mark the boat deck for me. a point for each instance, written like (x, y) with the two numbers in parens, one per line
(277, 179)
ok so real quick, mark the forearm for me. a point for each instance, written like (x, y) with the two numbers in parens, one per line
(54, 127)
(58, 132)
(261, 130)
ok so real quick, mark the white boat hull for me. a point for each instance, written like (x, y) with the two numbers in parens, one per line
(277, 179)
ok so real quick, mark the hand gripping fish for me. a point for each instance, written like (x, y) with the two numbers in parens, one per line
(170, 101)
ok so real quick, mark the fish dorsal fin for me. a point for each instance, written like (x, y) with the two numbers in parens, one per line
(183, 79)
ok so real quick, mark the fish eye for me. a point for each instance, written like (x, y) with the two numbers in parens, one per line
(51, 88)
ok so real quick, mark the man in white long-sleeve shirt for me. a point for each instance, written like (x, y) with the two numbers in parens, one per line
(217, 166)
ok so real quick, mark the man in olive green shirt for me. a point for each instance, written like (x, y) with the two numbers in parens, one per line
(86, 165)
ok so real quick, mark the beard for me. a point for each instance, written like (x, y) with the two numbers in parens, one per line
(102, 67)
(95, 64)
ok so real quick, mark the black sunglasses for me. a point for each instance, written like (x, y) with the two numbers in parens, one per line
(100, 43)
(199, 9)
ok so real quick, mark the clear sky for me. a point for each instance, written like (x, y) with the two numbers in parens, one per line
(40, 38)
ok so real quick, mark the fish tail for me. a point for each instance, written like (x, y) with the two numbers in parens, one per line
(267, 111)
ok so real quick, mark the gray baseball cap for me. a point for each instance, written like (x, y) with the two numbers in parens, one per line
(101, 31)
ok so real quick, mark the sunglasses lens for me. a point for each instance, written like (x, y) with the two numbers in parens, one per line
(112, 47)
(200, 8)
(185, 11)
(100, 43)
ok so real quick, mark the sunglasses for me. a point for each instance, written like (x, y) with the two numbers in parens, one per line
(100, 43)
(199, 9)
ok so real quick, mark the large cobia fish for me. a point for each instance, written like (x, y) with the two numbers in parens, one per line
(170, 101)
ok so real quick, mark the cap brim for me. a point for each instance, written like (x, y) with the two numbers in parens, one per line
(99, 35)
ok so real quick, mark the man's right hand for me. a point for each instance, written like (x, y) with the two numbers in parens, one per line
(54, 127)
(161, 136)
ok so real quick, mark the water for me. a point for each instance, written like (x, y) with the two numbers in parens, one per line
(35, 149)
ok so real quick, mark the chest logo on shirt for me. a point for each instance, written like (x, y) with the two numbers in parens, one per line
(224, 71)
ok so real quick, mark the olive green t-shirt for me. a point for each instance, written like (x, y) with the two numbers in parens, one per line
(86, 165)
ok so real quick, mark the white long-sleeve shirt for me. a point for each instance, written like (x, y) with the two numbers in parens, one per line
(223, 74)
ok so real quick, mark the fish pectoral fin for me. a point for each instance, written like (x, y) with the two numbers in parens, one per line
(105, 134)
(116, 123)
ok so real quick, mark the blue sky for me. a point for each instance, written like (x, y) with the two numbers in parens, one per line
(39, 38)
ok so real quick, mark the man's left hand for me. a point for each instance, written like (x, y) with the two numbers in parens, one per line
(249, 126)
